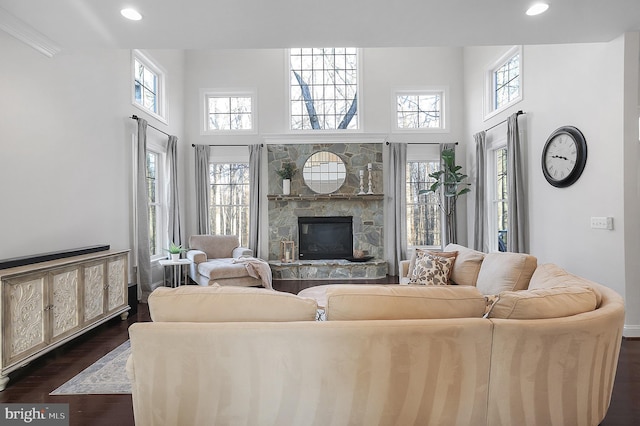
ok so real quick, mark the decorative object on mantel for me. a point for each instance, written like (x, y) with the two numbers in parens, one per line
(369, 168)
(324, 172)
(448, 186)
(361, 183)
(287, 171)
(287, 250)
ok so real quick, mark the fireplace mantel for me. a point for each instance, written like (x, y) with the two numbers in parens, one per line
(325, 197)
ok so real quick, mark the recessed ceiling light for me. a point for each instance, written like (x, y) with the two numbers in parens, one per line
(132, 14)
(537, 9)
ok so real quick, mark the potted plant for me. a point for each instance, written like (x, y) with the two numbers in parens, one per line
(448, 186)
(174, 251)
(286, 173)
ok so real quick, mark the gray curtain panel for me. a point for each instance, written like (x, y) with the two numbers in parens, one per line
(175, 233)
(449, 230)
(518, 235)
(143, 267)
(202, 189)
(255, 171)
(480, 182)
(395, 206)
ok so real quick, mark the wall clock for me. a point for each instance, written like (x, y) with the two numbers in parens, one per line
(564, 156)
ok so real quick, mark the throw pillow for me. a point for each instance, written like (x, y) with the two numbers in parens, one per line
(421, 252)
(432, 270)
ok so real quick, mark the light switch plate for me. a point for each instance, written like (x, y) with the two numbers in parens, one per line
(602, 222)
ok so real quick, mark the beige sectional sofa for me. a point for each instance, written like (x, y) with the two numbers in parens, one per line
(386, 354)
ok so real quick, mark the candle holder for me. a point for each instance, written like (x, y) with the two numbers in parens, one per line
(287, 251)
(370, 181)
(361, 183)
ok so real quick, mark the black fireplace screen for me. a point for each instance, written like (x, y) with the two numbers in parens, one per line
(329, 237)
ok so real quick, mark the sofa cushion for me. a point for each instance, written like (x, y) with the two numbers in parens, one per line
(228, 304)
(467, 265)
(505, 272)
(549, 275)
(215, 246)
(556, 302)
(395, 302)
(432, 269)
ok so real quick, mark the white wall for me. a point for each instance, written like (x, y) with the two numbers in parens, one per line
(581, 85)
(65, 150)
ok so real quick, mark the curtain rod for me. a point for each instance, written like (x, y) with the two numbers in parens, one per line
(421, 143)
(193, 145)
(503, 121)
(135, 117)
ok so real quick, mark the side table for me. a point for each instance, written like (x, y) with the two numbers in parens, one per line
(178, 273)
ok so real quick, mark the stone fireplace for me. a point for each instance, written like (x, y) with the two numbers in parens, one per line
(325, 237)
(366, 211)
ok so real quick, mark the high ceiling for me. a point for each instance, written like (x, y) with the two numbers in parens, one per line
(208, 24)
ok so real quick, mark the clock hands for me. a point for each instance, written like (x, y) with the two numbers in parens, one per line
(560, 156)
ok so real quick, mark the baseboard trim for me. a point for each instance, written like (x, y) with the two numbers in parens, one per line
(631, 331)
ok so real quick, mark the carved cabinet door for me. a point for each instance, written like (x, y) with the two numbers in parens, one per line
(23, 319)
(117, 282)
(94, 290)
(64, 298)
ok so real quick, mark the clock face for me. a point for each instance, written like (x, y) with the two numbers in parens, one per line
(564, 156)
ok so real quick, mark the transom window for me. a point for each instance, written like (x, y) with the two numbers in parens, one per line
(229, 205)
(228, 112)
(148, 85)
(423, 213)
(504, 82)
(324, 88)
(419, 110)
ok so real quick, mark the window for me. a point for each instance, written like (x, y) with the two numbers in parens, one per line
(229, 205)
(423, 212)
(504, 85)
(419, 110)
(148, 85)
(500, 205)
(155, 176)
(228, 112)
(323, 89)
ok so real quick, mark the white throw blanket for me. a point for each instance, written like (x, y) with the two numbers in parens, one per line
(257, 268)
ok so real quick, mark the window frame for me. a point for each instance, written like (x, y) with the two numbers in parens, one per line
(360, 103)
(492, 200)
(490, 108)
(162, 240)
(421, 153)
(443, 91)
(205, 94)
(160, 73)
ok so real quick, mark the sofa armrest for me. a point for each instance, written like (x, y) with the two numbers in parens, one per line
(241, 252)
(197, 256)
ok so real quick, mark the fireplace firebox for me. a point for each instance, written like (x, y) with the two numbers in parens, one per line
(328, 237)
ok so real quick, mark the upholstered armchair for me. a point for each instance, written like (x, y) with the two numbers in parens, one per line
(220, 259)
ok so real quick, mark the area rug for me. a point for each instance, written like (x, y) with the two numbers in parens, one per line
(106, 376)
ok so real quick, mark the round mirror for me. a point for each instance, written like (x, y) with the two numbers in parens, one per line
(324, 172)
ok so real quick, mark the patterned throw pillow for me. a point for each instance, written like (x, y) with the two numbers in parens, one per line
(432, 270)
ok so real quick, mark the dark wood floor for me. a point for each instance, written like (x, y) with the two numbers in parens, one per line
(33, 383)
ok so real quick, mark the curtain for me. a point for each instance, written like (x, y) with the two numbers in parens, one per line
(517, 238)
(175, 233)
(202, 189)
(255, 170)
(480, 182)
(395, 208)
(143, 266)
(450, 223)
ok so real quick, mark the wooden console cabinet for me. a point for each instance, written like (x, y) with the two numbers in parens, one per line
(44, 305)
